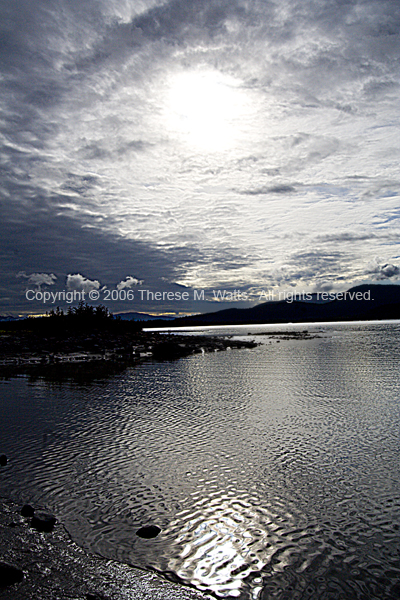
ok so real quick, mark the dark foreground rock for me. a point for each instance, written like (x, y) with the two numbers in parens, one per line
(3, 460)
(55, 568)
(148, 532)
(9, 574)
(27, 511)
(43, 522)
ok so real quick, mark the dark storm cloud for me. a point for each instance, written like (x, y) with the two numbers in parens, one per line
(51, 246)
(170, 24)
(170, 21)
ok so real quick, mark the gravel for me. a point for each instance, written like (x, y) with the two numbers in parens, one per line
(56, 568)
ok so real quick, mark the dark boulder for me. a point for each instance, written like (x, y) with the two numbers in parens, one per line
(27, 510)
(3, 460)
(43, 522)
(170, 351)
(148, 532)
(9, 574)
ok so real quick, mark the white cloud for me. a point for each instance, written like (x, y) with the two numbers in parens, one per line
(129, 282)
(38, 279)
(80, 283)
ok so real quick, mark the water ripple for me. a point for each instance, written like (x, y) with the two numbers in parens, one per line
(272, 473)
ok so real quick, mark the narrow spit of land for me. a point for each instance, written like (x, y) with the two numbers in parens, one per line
(59, 348)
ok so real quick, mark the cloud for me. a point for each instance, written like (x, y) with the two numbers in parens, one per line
(80, 283)
(313, 269)
(96, 181)
(38, 279)
(52, 245)
(275, 189)
(353, 237)
(170, 21)
(129, 282)
(382, 271)
(344, 236)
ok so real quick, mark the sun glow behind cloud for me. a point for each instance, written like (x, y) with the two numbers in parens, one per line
(205, 109)
(218, 144)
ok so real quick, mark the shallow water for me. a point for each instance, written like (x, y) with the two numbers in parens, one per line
(273, 472)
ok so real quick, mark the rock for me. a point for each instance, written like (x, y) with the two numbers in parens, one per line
(9, 574)
(148, 532)
(43, 522)
(3, 460)
(170, 351)
(27, 510)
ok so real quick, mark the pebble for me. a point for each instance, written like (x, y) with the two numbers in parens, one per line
(9, 574)
(43, 522)
(27, 510)
(148, 531)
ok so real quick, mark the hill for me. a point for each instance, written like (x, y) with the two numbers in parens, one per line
(364, 302)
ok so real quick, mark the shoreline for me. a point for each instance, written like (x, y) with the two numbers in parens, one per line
(56, 568)
(100, 355)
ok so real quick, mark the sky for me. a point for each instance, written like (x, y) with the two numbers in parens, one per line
(198, 154)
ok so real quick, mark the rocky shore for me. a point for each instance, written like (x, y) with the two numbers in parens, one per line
(97, 354)
(48, 565)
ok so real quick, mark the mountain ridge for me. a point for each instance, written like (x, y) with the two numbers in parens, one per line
(362, 302)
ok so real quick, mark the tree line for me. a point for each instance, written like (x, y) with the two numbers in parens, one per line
(82, 312)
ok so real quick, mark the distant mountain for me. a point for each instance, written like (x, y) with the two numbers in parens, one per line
(135, 316)
(364, 302)
(10, 318)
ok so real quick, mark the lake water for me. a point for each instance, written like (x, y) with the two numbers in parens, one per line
(272, 472)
